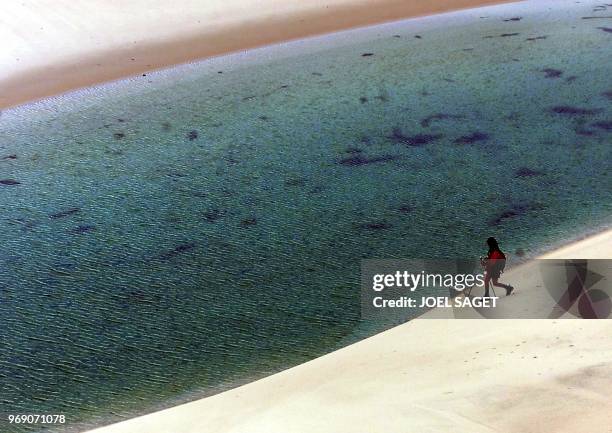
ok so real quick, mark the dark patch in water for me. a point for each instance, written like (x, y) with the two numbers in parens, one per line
(9, 182)
(527, 172)
(264, 118)
(605, 29)
(367, 54)
(78, 230)
(64, 213)
(571, 78)
(552, 73)
(231, 160)
(136, 296)
(584, 132)
(317, 74)
(26, 224)
(472, 138)
(405, 209)
(605, 125)
(418, 36)
(520, 252)
(118, 135)
(396, 36)
(182, 248)
(573, 111)
(503, 35)
(363, 99)
(516, 210)
(536, 38)
(426, 122)
(212, 215)
(607, 94)
(10, 157)
(414, 140)
(358, 160)
(375, 226)
(249, 222)
(192, 135)
(166, 126)
(366, 140)
(295, 182)
(175, 174)
(353, 150)
(271, 92)
(62, 269)
(513, 19)
(382, 97)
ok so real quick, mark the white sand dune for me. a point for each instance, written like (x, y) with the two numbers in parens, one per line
(426, 376)
(431, 375)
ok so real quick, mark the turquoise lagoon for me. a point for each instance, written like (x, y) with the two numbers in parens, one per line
(172, 235)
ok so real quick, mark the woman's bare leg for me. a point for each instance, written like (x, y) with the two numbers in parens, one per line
(508, 287)
(487, 280)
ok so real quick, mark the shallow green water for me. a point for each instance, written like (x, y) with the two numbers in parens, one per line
(179, 233)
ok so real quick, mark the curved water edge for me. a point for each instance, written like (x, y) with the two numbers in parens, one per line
(177, 233)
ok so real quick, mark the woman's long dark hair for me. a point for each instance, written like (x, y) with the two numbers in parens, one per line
(493, 246)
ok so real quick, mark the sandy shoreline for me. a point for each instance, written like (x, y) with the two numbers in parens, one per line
(471, 376)
(48, 57)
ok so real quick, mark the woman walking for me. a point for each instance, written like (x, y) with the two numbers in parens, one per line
(494, 265)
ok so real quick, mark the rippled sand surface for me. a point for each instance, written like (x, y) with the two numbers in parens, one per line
(177, 233)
